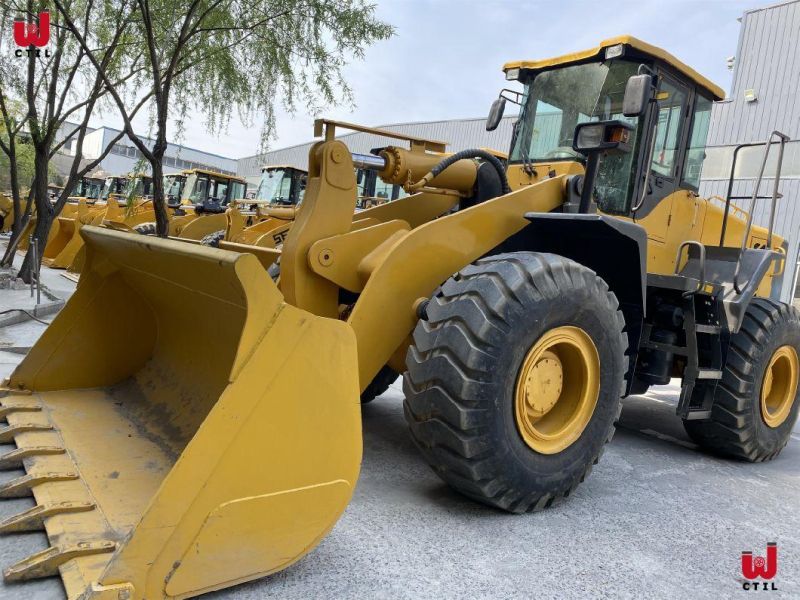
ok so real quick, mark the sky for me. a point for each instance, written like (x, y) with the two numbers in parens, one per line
(445, 59)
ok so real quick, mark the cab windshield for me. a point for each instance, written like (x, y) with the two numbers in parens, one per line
(195, 189)
(111, 186)
(92, 189)
(556, 101)
(173, 185)
(275, 186)
(80, 189)
(137, 187)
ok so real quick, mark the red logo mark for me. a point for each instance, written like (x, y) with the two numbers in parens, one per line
(33, 34)
(753, 568)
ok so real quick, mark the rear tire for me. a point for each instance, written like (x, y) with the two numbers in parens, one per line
(461, 385)
(737, 427)
(213, 239)
(146, 228)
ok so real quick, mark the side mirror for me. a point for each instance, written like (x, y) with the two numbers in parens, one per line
(495, 114)
(638, 92)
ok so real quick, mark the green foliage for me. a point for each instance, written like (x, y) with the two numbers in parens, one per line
(246, 56)
(25, 167)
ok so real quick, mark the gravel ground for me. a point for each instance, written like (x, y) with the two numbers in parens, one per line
(657, 518)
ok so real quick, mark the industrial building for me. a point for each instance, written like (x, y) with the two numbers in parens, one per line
(124, 157)
(764, 96)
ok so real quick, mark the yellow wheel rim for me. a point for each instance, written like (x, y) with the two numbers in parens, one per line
(779, 388)
(557, 389)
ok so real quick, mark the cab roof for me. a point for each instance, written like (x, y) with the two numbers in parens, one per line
(216, 174)
(628, 40)
(276, 167)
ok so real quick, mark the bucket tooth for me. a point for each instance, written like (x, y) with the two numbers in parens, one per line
(33, 518)
(13, 459)
(8, 408)
(47, 562)
(21, 486)
(7, 434)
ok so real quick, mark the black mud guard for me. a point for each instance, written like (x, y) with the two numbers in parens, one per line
(613, 248)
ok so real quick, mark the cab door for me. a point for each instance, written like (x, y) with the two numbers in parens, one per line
(688, 211)
(657, 197)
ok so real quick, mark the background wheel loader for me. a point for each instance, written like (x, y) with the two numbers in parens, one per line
(197, 201)
(88, 189)
(521, 301)
(264, 219)
(122, 197)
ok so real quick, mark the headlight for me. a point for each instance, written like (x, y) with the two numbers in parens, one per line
(614, 51)
(609, 136)
(590, 137)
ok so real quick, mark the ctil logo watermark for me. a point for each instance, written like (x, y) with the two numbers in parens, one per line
(32, 36)
(760, 568)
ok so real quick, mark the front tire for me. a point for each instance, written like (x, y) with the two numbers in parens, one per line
(496, 326)
(146, 228)
(756, 402)
(213, 239)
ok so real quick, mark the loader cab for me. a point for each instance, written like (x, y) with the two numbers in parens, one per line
(112, 185)
(88, 188)
(373, 191)
(173, 187)
(138, 186)
(668, 136)
(282, 185)
(207, 188)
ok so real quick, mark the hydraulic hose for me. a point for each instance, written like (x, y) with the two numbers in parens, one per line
(469, 153)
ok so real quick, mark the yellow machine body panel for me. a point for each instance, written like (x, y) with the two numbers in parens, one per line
(683, 215)
(210, 436)
(201, 226)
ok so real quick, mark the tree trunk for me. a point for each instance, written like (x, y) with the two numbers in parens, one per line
(44, 211)
(16, 225)
(40, 233)
(157, 169)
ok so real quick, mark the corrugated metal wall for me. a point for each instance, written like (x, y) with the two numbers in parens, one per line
(459, 134)
(767, 62)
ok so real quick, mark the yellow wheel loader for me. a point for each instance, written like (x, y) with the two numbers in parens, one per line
(213, 435)
(197, 200)
(264, 219)
(121, 198)
(88, 189)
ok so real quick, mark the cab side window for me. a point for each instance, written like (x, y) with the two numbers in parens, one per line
(222, 192)
(696, 152)
(671, 105)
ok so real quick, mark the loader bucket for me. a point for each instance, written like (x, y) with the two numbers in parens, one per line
(182, 428)
(67, 230)
(203, 225)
